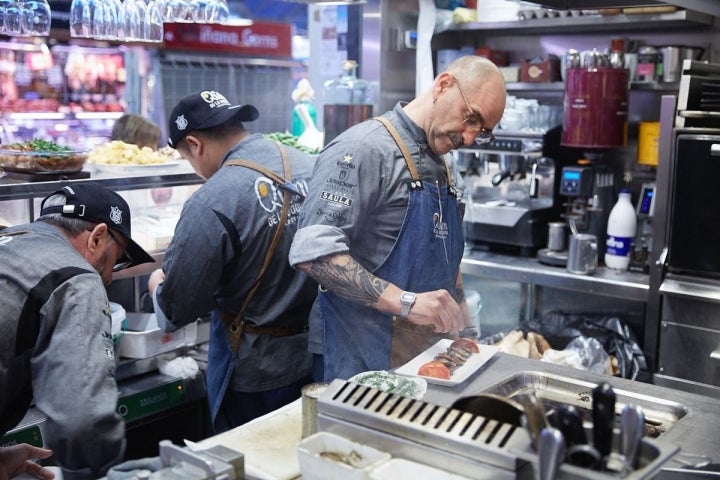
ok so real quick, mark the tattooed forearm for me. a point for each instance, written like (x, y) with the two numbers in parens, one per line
(347, 278)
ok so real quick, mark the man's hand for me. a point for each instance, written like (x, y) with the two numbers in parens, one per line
(439, 309)
(16, 459)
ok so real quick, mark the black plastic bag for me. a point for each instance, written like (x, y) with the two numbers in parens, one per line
(559, 328)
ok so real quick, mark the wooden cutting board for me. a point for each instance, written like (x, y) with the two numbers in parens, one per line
(269, 443)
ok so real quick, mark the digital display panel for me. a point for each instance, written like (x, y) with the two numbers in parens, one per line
(571, 175)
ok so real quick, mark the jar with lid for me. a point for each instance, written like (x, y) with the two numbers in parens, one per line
(347, 101)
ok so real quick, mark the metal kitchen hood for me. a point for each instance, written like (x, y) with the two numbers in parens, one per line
(711, 7)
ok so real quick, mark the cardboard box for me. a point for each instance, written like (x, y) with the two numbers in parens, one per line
(546, 71)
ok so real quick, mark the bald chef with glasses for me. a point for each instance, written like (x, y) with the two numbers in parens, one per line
(381, 230)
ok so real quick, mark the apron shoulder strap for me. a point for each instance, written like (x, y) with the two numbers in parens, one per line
(234, 325)
(406, 153)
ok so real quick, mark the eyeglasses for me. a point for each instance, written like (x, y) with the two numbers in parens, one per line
(125, 260)
(473, 120)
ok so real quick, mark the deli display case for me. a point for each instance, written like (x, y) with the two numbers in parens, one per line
(68, 94)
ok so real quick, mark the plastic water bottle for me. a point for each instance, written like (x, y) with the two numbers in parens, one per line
(621, 229)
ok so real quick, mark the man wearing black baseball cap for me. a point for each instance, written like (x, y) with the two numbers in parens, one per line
(228, 257)
(56, 322)
(204, 110)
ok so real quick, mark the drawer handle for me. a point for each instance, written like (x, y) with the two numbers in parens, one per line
(715, 355)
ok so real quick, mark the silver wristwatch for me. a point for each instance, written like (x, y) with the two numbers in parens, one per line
(407, 299)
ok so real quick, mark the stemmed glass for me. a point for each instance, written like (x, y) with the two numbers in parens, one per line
(200, 10)
(80, 19)
(154, 22)
(3, 9)
(218, 11)
(13, 18)
(36, 18)
(133, 23)
(104, 22)
(176, 10)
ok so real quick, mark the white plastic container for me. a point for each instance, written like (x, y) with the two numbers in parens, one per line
(621, 229)
(144, 339)
(402, 469)
(119, 321)
(319, 456)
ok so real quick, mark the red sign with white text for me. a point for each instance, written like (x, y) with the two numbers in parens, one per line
(258, 39)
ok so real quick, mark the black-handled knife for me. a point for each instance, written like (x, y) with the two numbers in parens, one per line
(568, 420)
(603, 416)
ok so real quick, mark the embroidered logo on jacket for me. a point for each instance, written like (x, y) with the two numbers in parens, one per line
(336, 198)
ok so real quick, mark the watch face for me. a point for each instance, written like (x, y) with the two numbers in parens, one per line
(407, 297)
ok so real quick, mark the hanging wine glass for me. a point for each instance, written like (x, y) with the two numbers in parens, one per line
(154, 22)
(80, 19)
(219, 11)
(104, 25)
(3, 10)
(176, 10)
(36, 18)
(133, 24)
(119, 19)
(13, 18)
(200, 10)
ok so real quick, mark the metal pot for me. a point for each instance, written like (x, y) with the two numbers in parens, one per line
(672, 59)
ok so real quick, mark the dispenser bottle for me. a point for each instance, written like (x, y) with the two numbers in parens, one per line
(621, 229)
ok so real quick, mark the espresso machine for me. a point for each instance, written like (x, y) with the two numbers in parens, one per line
(512, 190)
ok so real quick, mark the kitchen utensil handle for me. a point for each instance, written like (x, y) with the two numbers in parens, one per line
(569, 422)
(551, 451)
(632, 429)
(603, 413)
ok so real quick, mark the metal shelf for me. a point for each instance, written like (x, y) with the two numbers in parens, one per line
(590, 23)
(560, 86)
(182, 174)
(605, 282)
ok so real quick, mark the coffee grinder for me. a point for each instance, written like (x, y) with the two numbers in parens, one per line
(589, 189)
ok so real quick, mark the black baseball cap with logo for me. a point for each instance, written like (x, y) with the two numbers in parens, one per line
(92, 202)
(205, 109)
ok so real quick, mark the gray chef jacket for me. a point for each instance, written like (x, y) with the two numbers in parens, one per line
(62, 349)
(359, 196)
(218, 248)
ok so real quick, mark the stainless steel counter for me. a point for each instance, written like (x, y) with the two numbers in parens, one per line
(605, 281)
(697, 432)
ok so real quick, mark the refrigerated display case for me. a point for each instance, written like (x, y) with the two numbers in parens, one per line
(68, 94)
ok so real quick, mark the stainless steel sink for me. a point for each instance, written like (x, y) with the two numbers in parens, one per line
(554, 390)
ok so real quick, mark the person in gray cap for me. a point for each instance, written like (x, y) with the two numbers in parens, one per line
(228, 258)
(56, 347)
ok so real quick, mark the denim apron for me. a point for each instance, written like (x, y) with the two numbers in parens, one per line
(426, 256)
(221, 353)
